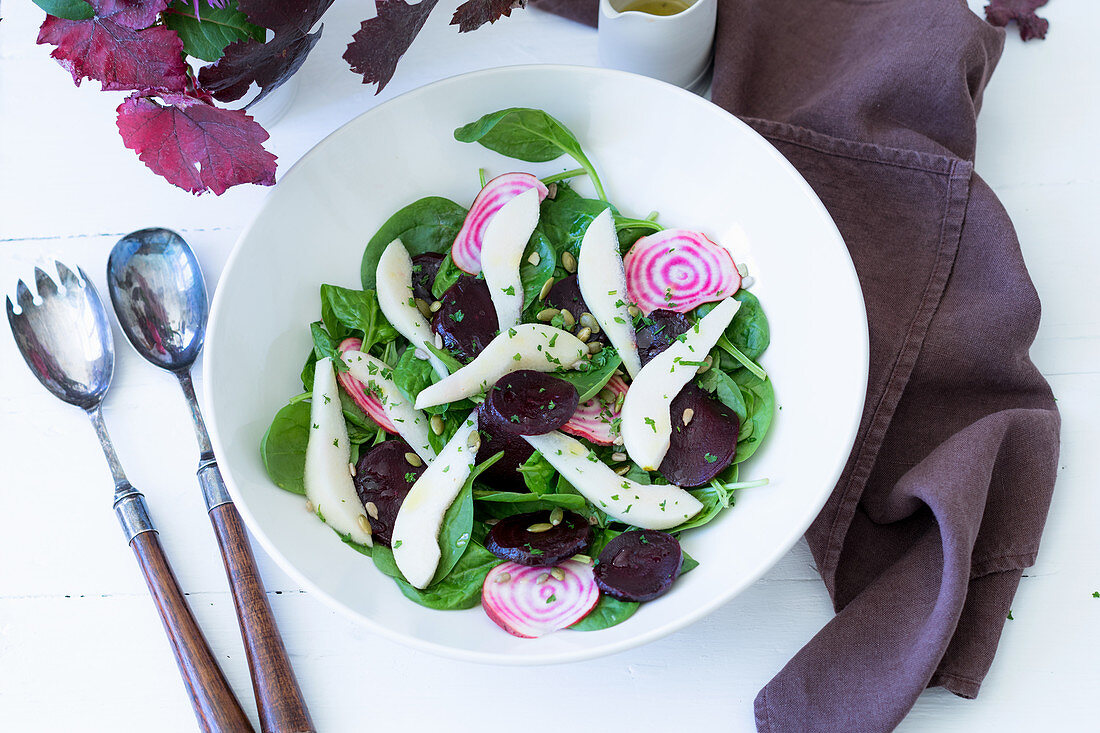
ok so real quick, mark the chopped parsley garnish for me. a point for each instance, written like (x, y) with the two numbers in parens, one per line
(552, 598)
(710, 458)
(649, 421)
(397, 544)
(457, 316)
(510, 290)
(512, 333)
(410, 477)
(517, 357)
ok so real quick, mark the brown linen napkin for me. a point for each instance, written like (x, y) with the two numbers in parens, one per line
(944, 497)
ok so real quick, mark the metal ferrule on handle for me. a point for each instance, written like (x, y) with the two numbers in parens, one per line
(132, 513)
(214, 492)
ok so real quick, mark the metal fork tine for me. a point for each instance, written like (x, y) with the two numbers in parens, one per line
(11, 312)
(84, 276)
(44, 283)
(68, 279)
(23, 296)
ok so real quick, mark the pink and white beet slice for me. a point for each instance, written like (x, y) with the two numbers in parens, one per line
(466, 250)
(679, 270)
(596, 419)
(367, 402)
(530, 602)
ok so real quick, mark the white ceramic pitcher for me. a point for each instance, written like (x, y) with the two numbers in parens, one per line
(673, 48)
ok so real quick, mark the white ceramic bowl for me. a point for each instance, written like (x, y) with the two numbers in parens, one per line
(657, 147)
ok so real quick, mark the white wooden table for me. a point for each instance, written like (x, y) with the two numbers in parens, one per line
(80, 645)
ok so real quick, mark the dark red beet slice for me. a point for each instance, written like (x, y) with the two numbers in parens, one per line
(565, 294)
(658, 330)
(495, 437)
(527, 402)
(467, 320)
(639, 565)
(510, 539)
(383, 477)
(702, 448)
(425, 268)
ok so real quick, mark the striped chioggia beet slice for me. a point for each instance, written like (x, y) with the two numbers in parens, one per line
(598, 419)
(679, 270)
(466, 250)
(367, 402)
(533, 601)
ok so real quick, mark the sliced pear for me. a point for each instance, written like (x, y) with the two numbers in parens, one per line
(602, 281)
(327, 479)
(393, 279)
(655, 506)
(377, 375)
(416, 529)
(646, 420)
(524, 346)
(501, 251)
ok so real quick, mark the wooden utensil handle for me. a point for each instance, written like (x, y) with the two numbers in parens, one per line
(215, 706)
(278, 696)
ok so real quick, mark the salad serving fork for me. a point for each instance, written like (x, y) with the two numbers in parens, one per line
(66, 340)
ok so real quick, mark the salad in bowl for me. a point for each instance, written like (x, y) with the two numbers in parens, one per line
(529, 401)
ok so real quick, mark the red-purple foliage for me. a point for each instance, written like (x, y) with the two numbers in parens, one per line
(473, 14)
(1000, 12)
(381, 41)
(195, 145)
(268, 64)
(117, 48)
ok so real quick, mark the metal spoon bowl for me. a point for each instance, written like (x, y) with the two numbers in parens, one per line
(159, 297)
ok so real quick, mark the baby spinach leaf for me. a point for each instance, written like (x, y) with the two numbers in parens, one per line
(362, 549)
(593, 374)
(607, 613)
(446, 276)
(689, 563)
(411, 374)
(537, 474)
(283, 447)
(461, 588)
(344, 311)
(749, 330)
(572, 502)
(714, 500)
(325, 346)
(448, 359)
(565, 218)
(760, 412)
(429, 224)
(528, 134)
(723, 386)
(533, 276)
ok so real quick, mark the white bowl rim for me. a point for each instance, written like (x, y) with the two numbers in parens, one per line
(596, 650)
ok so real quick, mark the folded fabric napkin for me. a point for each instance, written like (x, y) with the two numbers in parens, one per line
(944, 497)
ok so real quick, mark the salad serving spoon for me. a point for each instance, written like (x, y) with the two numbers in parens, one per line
(160, 298)
(66, 341)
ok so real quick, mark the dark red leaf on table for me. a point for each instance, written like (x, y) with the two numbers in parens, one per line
(195, 145)
(268, 64)
(117, 56)
(473, 14)
(135, 14)
(1000, 12)
(381, 41)
(280, 15)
